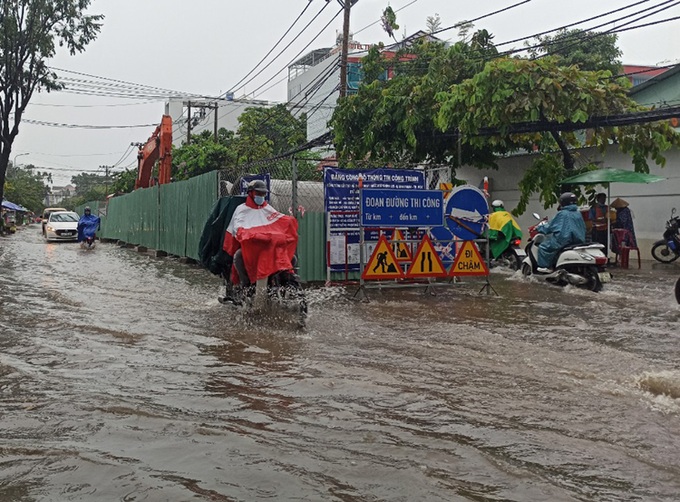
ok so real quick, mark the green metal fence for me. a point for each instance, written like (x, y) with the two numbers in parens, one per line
(168, 217)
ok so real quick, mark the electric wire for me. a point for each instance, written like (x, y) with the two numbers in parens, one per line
(573, 24)
(379, 20)
(619, 29)
(304, 48)
(274, 47)
(294, 39)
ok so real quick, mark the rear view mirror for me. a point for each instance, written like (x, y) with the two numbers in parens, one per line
(672, 211)
(537, 216)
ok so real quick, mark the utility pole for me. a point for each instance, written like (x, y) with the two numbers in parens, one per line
(201, 106)
(106, 180)
(347, 4)
(189, 123)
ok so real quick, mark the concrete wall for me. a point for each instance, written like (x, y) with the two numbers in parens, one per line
(651, 204)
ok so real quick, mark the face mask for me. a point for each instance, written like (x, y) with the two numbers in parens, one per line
(259, 199)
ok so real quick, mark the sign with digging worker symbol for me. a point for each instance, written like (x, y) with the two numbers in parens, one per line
(383, 263)
(402, 250)
(426, 262)
(468, 261)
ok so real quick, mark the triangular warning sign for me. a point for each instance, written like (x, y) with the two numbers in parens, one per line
(468, 261)
(426, 262)
(382, 264)
(402, 251)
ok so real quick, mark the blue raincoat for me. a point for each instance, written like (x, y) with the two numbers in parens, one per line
(566, 228)
(87, 226)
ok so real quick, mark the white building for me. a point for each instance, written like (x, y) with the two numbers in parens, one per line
(314, 79)
(58, 194)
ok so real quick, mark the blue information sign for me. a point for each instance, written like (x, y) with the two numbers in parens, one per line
(396, 208)
(341, 197)
(466, 212)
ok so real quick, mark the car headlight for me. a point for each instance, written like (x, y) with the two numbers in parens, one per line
(51, 229)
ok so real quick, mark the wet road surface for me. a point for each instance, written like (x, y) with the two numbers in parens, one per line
(123, 379)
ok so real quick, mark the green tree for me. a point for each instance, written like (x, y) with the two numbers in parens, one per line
(124, 181)
(203, 154)
(87, 182)
(30, 32)
(393, 121)
(27, 187)
(441, 98)
(433, 23)
(513, 91)
(590, 51)
(264, 132)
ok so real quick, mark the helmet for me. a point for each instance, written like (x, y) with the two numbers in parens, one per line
(567, 199)
(257, 185)
(497, 203)
(87, 209)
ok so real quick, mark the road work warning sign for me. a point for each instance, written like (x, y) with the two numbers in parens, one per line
(383, 263)
(401, 249)
(426, 262)
(468, 261)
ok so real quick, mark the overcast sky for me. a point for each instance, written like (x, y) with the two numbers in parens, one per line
(207, 46)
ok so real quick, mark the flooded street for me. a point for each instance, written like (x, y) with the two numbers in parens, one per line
(123, 379)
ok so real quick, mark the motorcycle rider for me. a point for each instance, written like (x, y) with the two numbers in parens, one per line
(503, 229)
(88, 224)
(268, 237)
(565, 229)
(256, 192)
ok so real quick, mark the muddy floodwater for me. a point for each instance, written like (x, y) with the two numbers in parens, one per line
(123, 379)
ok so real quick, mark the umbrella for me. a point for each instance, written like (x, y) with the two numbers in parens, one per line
(608, 176)
(12, 206)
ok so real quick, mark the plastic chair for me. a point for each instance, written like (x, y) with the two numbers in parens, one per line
(622, 240)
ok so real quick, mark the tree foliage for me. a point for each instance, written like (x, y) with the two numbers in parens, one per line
(27, 187)
(123, 182)
(85, 182)
(512, 91)
(434, 23)
(439, 94)
(30, 32)
(393, 121)
(590, 51)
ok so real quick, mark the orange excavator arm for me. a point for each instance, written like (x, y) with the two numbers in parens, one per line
(157, 147)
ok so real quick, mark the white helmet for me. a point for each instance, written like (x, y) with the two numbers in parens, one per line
(497, 203)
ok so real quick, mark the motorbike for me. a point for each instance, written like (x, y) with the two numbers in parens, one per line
(582, 265)
(88, 243)
(281, 291)
(87, 232)
(512, 257)
(667, 249)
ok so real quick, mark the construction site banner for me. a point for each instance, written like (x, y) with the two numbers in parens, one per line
(342, 204)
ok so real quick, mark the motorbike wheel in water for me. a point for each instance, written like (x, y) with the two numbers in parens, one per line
(661, 252)
(526, 269)
(285, 289)
(594, 284)
(510, 260)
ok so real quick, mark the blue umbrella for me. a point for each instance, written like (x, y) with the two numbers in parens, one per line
(12, 206)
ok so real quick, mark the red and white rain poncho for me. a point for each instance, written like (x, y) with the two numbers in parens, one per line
(268, 239)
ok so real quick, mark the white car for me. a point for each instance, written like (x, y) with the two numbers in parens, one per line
(62, 226)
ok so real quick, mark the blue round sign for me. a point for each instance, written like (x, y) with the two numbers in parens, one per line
(467, 212)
